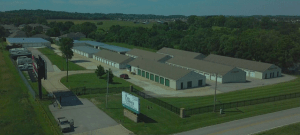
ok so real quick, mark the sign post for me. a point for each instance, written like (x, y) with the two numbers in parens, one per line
(132, 103)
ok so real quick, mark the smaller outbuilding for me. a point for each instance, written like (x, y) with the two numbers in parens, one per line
(85, 51)
(138, 53)
(170, 76)
(113, 59)
(28, 42)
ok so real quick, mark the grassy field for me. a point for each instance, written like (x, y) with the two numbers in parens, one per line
(92, 81)
(161, 121)
(293, 129)
(252, 93)
(106, 23)
(19, 113)
(59, 61)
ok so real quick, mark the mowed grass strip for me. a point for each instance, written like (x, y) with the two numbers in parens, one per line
(106, 23)
(90, 80)
(158, 120)
(247, 94)
(59, 61)
(293, 129)
(19, 113)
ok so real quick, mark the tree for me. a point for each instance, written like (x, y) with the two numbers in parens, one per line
(2, 32)
(66, 45)
(99, 23)
(99, 71)
(27, 29)
(111, 75)
(38, 29)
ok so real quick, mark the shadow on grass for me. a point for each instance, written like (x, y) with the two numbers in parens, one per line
(146, 119)
(80, 61)
(67, 98)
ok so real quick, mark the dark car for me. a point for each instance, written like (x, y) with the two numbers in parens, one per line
(124, 76)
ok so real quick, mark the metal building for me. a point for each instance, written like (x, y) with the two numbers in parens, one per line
(170, 76)
(226, 74)
(253, 69)
(21, 60)
(113, 59)
(28, 42)
(181, 53)
(85, 51)
(137, 53)
(102, 46)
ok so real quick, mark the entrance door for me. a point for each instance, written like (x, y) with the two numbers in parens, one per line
(273, 74)
(277, 74)
(182, 85)
(199, 83)
(189, 84)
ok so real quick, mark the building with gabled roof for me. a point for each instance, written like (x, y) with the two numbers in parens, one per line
(85, 51)
(170, 76)
(226, 74)
(253, 69)
(138, 53)
(112, 58)
(181, 53)
(28, 42)
(102, 46)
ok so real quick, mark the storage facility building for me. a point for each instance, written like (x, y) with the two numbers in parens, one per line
(253, 69)
(226, 74)
(137, 53)
(28, 42)
(181, 53)
(170, 76)
(85, 51)
(102, 46)
(113, 59)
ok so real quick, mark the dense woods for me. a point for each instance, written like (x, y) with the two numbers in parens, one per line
(247, 38)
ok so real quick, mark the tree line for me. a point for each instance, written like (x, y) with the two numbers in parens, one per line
(247, 38)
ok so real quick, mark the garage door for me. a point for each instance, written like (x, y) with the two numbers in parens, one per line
(147, 75)
(143, 73)
(207, 76)
(152, 77)
(252, 74)
(156, 78)
(139, 72)
(167, 82)
(162, 80)
(213, 78)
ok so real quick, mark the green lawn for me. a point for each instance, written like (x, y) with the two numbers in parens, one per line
(293, 129)
(162, 121)
(92, 81)
(252, 93)
(19, 113)
(59, 61)
(106, 23)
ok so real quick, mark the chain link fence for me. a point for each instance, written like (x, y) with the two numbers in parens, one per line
(85, 91)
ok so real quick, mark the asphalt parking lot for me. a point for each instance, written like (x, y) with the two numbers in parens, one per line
(86, 116)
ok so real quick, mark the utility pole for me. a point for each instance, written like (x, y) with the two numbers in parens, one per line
(67, 69)
(107, 86)
(215, 93)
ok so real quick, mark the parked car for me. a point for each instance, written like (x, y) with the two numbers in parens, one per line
(124, 76)
(64, 124)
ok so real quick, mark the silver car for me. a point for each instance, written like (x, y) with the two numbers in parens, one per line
(64, 124)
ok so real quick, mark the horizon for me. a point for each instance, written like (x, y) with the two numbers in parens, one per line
(159, 7)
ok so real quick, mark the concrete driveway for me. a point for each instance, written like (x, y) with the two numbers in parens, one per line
(35, 52)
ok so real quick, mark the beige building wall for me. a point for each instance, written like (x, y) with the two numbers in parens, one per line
(234, 76)
(193, 77)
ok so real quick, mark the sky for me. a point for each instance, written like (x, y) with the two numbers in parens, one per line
(161, 7)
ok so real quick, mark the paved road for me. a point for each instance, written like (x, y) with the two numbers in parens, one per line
(250, 125)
